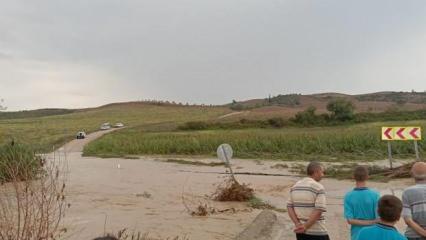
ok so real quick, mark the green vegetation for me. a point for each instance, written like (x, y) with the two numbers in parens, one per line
(306, 118)
(35, 113)
(18, 163)
(241, 124)
(288, 100)
(172, 129)
(309, 118)
(341, 110)
(44, 133)
(339, 143)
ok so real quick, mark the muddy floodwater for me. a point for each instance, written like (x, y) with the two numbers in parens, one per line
(149, 195)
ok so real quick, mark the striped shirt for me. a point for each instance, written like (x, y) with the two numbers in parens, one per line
(414, 203)
(305, 196)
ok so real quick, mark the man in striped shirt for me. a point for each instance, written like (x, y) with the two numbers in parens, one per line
(307, 204)
(414, 202)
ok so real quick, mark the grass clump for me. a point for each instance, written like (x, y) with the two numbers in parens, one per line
(18, 163)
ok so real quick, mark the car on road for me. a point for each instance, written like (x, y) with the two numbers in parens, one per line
(81, 135)
(105, 126)
(119, 125)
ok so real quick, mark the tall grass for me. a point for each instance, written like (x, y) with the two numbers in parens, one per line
(357, 142)
(18, 162)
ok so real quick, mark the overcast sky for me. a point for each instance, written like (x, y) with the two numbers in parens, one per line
(81, 53)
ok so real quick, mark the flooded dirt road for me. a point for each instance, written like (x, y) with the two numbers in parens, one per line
(147, 194)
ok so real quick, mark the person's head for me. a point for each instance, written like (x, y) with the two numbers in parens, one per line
(418, 171)
(315, 171)
(361, 173)
(390, 208)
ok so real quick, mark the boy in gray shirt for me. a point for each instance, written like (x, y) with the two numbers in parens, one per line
(414, 204)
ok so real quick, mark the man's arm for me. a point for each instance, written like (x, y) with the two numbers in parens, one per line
(293, 216)
(416, 227)
(408, 217)
(313, 218)
(362, 222)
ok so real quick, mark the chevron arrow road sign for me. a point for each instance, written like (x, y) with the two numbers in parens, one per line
(401, 133)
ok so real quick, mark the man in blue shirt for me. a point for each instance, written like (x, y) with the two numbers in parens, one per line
(360, 204)
(390, 208)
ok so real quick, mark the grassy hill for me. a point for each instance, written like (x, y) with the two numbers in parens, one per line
(35, 113)
(287, 106)
(48, 131)
(153, 127)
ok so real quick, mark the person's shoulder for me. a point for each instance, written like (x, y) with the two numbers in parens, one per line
(367, 230)
(412, 190)
(349, 194)
(316, 185)
(373, 192)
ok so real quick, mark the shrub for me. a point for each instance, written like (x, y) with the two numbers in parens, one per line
(341, 109)
(307, 117)
(276, 122)
(196, 125)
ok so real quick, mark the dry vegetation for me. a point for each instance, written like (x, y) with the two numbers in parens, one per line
(232, 190)
(31, 205)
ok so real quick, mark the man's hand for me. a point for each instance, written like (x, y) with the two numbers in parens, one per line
(299, 228)
(417, 228)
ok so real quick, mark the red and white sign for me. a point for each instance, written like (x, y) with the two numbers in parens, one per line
(401, 133)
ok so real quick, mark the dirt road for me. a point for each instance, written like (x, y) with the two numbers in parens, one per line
(146, 195)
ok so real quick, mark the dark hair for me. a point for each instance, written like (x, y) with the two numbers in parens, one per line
(313, 167)
(361, 173)
(390, 208)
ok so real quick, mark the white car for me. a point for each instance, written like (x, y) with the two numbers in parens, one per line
(119, 125)
(105, 126)
(81, 135)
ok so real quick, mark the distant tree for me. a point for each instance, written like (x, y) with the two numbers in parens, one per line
(341, 109)
(2, 107)
(306, 117)
(234, 101)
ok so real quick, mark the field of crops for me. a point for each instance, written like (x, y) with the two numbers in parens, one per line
(44, 133)
(340, 143)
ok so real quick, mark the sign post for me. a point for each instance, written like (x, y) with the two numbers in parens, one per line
(416, 148)
(224, 153)
(402, 134)
(390, 154)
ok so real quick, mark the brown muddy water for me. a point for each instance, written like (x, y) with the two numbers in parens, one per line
(146, 195)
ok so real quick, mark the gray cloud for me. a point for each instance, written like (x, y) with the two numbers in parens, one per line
(85, 53)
